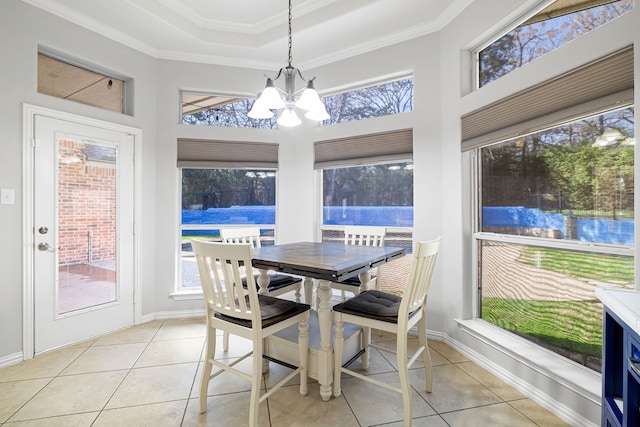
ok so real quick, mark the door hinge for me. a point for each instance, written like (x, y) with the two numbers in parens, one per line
(35, 142)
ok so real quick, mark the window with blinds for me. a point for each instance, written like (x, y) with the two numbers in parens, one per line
(204, 153)
(223, 184)
(598, 86)
(383, 147)
(555, 204)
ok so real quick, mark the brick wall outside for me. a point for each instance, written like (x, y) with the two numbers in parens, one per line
(86, 204)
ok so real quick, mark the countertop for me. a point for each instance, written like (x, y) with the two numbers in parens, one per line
(624, 303)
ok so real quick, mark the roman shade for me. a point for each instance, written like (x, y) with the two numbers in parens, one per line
(564, 7)
(601, 85)
(364, 149)
(204, 153)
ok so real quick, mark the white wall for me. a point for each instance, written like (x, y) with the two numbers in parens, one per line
(439, 63)
(22, 28)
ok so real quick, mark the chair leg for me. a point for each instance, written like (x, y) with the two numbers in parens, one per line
(210, 351)
(303, 347)
(338, 347)
(225, 341)
(366, 341)
(403, 373)
(256, 382)
(426, 356)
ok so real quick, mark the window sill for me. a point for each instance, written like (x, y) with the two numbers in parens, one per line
(184, 295)
(572, 375)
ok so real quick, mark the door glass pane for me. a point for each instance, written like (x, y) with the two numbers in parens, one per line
(86, 209)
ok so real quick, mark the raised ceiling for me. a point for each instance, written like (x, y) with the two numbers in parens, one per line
(253, 33)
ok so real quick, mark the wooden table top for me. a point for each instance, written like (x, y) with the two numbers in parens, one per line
(329, 261)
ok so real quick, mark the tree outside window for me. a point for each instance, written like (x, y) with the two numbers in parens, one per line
(531, 40)
(572, 184)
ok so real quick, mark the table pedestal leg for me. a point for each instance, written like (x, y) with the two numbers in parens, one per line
(263, 281)
(308, 290)
(326, 352)
(364, 280)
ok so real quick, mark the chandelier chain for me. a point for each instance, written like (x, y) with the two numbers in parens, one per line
(290, 44)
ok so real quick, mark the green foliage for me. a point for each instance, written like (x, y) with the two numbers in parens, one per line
(600, 268)
(561, 169)
(373, 185)
(221, 188)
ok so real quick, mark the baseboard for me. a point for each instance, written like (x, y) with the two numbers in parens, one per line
(11, 359)
(165, 315)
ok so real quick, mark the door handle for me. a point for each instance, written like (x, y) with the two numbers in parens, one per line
(43, 246)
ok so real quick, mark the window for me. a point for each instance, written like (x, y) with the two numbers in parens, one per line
(64, 80)
(374, 101)
(368, 180)
(381, 195)
(223, 183)
(556, 219)
(368, 195)
(211, 110)
(215, 198)
(551, 28)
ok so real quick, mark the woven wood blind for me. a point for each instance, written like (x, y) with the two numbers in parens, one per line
(598, 86)
(202, 153)
(364, 149)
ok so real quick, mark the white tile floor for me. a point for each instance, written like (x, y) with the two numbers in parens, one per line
(148, 375)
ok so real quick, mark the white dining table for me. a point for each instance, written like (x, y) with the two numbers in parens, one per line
(324, 263)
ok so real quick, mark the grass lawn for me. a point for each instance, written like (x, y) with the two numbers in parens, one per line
(570, 328)
(616, 270)
(573, 326)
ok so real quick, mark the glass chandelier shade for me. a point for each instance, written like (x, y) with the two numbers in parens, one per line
(274, 98)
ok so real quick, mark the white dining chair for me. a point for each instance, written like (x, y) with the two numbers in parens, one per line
(279, 283)
(363, 235)
(232, 307)
(391, 313)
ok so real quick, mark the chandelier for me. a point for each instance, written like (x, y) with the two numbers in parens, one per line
(274, 98)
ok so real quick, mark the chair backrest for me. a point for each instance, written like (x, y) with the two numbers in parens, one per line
(364, 235)
(221, 269)
(424, 260)
(241, 235)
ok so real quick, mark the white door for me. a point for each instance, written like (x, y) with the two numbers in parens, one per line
(83, 232)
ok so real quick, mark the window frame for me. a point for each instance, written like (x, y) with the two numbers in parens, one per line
(232, 98)
(522, 18)
(477, 323)
(180, 292)
(355, 163)
(366, 85)
(125, 93)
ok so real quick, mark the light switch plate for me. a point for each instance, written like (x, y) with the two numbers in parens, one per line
(7, 196)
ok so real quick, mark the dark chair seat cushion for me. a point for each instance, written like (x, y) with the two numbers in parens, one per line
(372, 304)
(276, 281)
(354, 281)
(272, 311)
